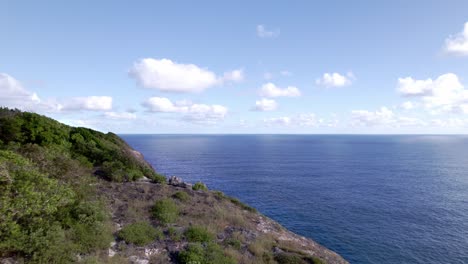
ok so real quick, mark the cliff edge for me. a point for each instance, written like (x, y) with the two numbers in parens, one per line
(72, 194)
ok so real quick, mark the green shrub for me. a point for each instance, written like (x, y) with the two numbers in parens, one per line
(140, 233)
(235, 243)
(198, 234)
(166, 211)
(209, 253)
(182, 196)
(174, 234)
(195, 253)
(199, 186)
(157, 178)
(286, 258)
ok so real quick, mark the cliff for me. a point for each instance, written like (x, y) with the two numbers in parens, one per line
(77, 195)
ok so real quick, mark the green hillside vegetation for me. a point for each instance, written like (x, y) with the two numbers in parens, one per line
(49, 209)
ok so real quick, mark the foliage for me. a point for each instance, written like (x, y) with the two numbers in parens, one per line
(198, 234)
(165, 210)
(106, 151)
(174, 234)
(49, 210)
(209, 253)
(42, 219)
(235, 243)
(199, 186)
(140, 233)
(182, 196)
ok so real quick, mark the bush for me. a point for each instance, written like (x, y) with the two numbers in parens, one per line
(199, 186)
(157, 178)
(235, 243)
(140, 233)
(174, 234)
(166, 211)
(198, 234)
(182, 196)
(210, 253)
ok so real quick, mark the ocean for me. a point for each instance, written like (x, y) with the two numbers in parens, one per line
(372, 199)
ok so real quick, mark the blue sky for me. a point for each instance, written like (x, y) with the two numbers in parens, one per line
(239, 66)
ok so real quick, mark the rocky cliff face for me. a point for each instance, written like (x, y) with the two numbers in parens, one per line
(246, 235)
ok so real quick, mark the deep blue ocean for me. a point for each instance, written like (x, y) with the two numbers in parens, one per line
(372, 199)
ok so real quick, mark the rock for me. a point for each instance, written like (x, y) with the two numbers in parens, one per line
(175, 181)
(8, 261)
(151, 251)
(144, 179)
(111, 252)
(137, 260)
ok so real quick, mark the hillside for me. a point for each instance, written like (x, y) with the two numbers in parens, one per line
(77, 195)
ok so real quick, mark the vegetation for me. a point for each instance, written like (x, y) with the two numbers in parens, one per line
(209, 253)
(165, 210)
(140, 233)
(198, 234)
(199, 186)
(182, 196)
(49, 209)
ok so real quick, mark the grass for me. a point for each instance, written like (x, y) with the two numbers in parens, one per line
(199, 186)
(198, 234)
(140, 233)
(209, 253)
(166, 211)
(182, 196)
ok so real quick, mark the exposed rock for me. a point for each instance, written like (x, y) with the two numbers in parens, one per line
(138, 260)
(175, 181)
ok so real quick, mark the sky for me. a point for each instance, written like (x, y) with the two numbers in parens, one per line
(305, 67)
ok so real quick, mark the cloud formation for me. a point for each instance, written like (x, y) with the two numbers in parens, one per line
(120, 115)
(168, 76)
(335, 80)
(271, 90)
(444, 94)
(383, 117)
(91, 103)
(263, 32)
(264, 105)
(300, 120)
(13, 94)
(197, 113)
(458, 44)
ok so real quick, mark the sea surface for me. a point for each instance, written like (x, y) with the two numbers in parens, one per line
(372, 199)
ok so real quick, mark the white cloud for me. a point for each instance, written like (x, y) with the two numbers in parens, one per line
(444, 94)
(234, 76)
(408, 105)
(458, 44)
(198, 113)
(409, 86)
(168, 76)
(335, 79)
(262, 32)
(271, 90)
(91, 103)
(382, 117)
(265, 105)
(120, 115)
(300, 120)
(13, 94)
